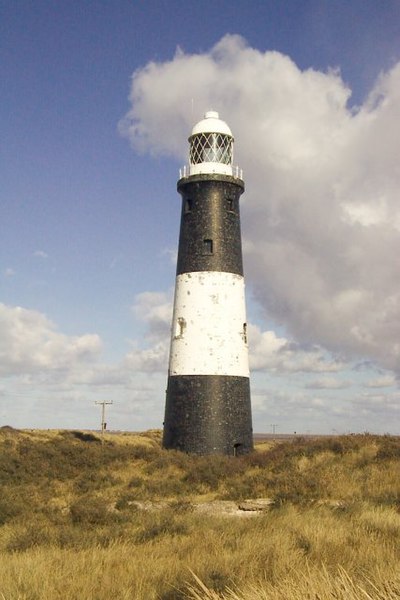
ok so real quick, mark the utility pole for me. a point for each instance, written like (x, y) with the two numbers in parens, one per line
(103, 417)
(274, 426)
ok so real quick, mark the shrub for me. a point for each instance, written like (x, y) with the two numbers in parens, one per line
(156, 525)
(181, 506)
(170, 458)
(163, 487)
(389, 449)
(210, 471)
(11, 505)
(94, 480)
(84, 436)
(146, 453)
(136, 482)
(33, 536)
(126, 502)
(90, 510)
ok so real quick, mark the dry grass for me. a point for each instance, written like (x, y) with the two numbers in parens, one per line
(70, 526)
(311, 585)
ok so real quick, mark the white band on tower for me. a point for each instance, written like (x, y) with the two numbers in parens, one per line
(209, 334)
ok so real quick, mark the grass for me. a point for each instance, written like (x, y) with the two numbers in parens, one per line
(79, 519)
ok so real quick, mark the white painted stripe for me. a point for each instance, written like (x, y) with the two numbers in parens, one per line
(208, 326)
(210, 168)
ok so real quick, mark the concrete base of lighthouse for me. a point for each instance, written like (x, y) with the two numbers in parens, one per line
(208, 414)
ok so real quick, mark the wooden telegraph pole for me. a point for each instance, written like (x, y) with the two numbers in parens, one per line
(103, 403)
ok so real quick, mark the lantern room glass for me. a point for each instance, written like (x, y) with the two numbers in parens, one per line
(211, 147)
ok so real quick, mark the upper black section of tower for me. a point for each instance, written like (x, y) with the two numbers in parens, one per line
(210, 238)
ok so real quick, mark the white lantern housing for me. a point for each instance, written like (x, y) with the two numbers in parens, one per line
(211, 146)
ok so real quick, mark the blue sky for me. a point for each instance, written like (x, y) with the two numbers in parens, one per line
(97, 102)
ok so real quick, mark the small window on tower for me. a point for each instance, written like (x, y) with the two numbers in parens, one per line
(208, 246)
(188, 205)
(245, 333)
(230, 204)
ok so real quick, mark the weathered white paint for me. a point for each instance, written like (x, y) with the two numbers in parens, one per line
(208, 328)
(211, 124)
(210, 168)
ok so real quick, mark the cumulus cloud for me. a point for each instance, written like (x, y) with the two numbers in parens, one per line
(42, 367)
(154, 309)
(382, 382)
(328, 383)
(30, 343)
(321, 217)
(268, 352)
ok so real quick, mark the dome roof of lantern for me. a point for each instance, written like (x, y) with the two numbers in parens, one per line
(211, 124)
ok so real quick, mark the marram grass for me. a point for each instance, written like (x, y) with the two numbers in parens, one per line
(119, 521)
(318, 585)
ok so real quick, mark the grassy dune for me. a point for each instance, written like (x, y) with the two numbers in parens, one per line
(79, 519)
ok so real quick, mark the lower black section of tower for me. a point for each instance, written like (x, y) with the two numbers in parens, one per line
(208, 414)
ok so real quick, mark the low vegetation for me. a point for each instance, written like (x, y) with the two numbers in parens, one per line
(122, 520)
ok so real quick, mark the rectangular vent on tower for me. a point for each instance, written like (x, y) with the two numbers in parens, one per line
(208, 246)
(180, 327)
(188, 205)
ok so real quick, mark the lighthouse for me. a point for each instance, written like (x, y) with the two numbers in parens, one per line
(208, 408)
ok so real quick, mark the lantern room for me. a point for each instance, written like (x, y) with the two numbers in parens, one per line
(211, 146)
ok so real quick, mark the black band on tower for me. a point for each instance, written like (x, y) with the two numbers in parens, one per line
(208, 414)
(210, 238)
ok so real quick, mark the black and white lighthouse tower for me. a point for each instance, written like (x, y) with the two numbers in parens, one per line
(208, 408)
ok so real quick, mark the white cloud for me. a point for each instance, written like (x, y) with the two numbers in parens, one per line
(49, 378)
(382, 382)
(321, 217)
(40, 254)
(280, 355)
(328, 383)
(30, 343)
(148, 360)
(9, 272)
(154, 309)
